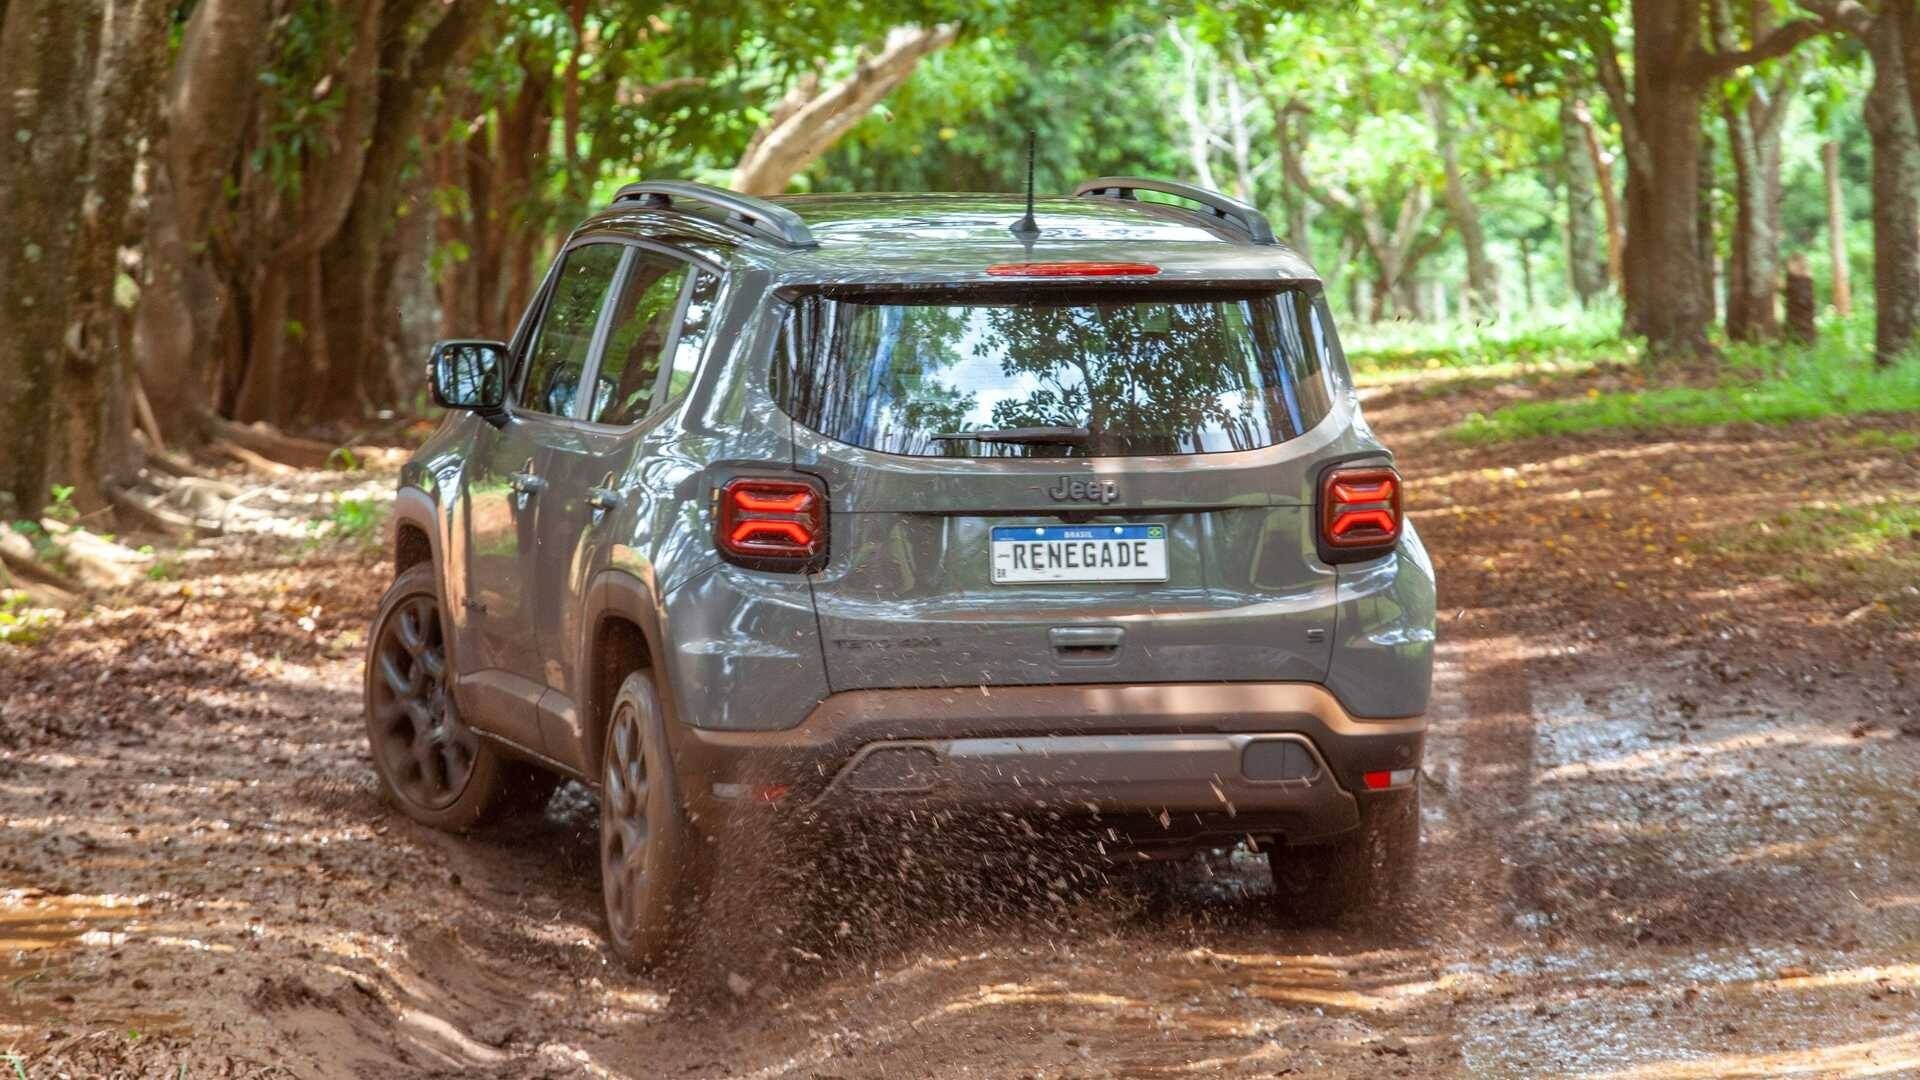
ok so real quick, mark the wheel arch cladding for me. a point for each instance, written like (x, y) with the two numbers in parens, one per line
(410, 547)
(416, 535)
(622, 636)
(619, 649)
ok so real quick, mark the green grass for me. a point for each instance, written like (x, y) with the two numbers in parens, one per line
(20, 622)
(351, 521)
(1876, 439)
(1871, 552)
(1548, 339)
(1766, 385)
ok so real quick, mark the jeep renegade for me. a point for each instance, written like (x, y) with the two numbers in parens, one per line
(793, 506)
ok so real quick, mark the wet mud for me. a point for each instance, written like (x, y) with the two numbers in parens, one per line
(1669, 830)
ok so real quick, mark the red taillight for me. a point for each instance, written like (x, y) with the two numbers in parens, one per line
(772, 524)
(1381, 781)
(1359, 513)
(1073, 269)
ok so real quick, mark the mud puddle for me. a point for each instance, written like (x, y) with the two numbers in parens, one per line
(54, 949)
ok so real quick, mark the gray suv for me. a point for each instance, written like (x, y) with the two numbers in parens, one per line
(785, 511)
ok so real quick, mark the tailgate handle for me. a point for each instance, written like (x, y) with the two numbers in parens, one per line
(1086, 644)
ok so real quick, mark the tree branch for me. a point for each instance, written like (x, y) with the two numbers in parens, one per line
(1780, 42)
(1614, 82)
(1848, 15)
(811, 128)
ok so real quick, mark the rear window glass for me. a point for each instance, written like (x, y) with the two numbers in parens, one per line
(1039, 373)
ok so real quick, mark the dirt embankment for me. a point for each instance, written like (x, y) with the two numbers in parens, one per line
(1669, 831)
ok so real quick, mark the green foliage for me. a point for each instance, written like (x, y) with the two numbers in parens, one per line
(45, 548)
(1533, 46)
(1845, 529)
(303, 90)
(1779, 385)
(1547, 338)
(351, 521)
(961, 123)
(62, 508)
(1876, 439)
(1869, 552)
(23, 624)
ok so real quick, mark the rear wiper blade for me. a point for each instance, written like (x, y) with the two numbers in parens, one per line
(1048, 435)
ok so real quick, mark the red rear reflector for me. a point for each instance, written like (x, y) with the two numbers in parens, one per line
(1073, 269)
(1377, 780)
(772, 524)
(1359, 513)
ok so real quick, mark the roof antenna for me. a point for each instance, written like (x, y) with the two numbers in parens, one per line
(1026, 228)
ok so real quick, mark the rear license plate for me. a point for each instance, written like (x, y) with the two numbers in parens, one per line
(1068, 554)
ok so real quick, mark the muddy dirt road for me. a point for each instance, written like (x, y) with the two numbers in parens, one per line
(1671, 828)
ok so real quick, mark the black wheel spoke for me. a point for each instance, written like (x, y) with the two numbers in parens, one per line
(401, 683)
(427, 752)
(409, 631)
(623, 824)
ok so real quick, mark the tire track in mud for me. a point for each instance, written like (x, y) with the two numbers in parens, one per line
(1498, 770)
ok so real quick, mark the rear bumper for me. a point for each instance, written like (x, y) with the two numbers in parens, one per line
(1268, 758)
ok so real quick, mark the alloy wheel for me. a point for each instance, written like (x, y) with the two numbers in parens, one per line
(623, 823)
(427, 750)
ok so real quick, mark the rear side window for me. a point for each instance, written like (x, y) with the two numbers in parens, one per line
(695, 325)
(1066, 373)
(637, 337)
(565, 336)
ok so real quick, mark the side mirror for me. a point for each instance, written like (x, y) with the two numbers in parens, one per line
(469, 375)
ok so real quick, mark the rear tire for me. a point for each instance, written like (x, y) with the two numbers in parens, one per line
(1361, 871)
(432, 764)
(649, 858)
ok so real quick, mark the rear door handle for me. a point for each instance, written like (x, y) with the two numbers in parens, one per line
(525, 482)
(603, 497)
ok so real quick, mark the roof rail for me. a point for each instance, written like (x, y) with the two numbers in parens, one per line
(758, 216)
(1217, 206)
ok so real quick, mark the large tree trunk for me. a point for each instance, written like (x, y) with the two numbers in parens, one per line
(183, 302)
(1837, 229)
(805, 126)
(1667, 278)
(1481, 283)
(1896, 189)
(1586, 255)
(1663, 258)
(66, 183)
(354, 270)
(46, 49)
(1753, 136)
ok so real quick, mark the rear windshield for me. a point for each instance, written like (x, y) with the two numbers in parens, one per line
(1052, 373)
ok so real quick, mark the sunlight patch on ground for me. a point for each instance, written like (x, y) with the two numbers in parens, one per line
(1891, 1055)
(1685, 759)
